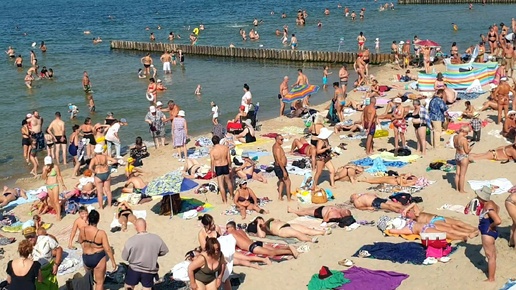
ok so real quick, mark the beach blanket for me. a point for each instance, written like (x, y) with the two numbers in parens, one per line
(270, 238)
(82, 200)
(72, 262)
(378, 166)
(469, 96)
(510, 285)
(367, 161)
(273, 258)
(335, 280)
(296, 170)
(49, 281)
(357, 136)
(198, 153)
(18, 227)
(362, 278)
(503, 184)
(257, 143)
(407, 252)
(388, 156)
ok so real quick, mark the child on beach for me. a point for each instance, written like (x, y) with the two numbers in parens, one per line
(91, 103)
(476, 124)
(35, 222)
(198, 90)
(33, 156)
(214, 113)
(469, 111)
(41, 206)
(325, 77)
(78, 224)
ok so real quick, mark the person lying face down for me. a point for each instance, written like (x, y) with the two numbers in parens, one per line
(371, 201)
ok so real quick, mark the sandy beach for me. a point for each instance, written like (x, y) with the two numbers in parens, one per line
(465, 270)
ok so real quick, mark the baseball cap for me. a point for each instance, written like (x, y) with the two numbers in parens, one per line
(159, 104)
(29, 232)
(152, 109)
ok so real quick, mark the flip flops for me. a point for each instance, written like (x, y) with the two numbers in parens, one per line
(116, 229)
(346, 263)
(364, 254)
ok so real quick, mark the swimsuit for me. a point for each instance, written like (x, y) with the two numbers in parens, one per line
(484, 223)
(325, 80)
(89, 136)
(221, 170)
(510, 200)
(372, 130)
(92, 260)
(58, 140)
(377, 202)
(206, 275)
(303, 150)
(437, 218)
(318, 212)
(278, 170)
(254, 245)
(103, 176)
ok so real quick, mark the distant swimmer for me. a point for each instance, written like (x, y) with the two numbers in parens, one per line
(455, 27)
(171, 36)
(18, 62)
(353, 15)
(346, 11)
(198, 90)
(159, 27)
(43, 47)
(87, 32)
(293, 41)
(326, 11)
(470, 6)
(141, 74)
(28, 79)
(33, 58)
(91, 103)
(201, 26)
(283, 15)
(152, 37)
(362, 13)
(10, 52)
(319, 23)
(97, 40)
(278, 32)
(86, 84)
(377, 44)
(339, 6)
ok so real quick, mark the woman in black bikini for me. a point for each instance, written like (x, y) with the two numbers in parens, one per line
(323, 158)
(25, 132)
(248, 134)
(99, 165)
(275, 227)
(86, 130)
(95, 247)
(245, 199)
(492, 36)
(125, 215)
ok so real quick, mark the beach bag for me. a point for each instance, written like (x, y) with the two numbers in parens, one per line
(473, 207)
(319, 196)
(71, 207)
(170, 204)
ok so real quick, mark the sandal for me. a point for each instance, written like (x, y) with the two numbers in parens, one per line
(346, 263)
(364, 254)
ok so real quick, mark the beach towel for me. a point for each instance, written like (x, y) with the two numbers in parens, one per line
(273, 258)
(19, 227)
(227, 247)
(411, 237)
(49, 280)
(362, 278)
(388, 156)
(82, 200)
(503, 184)
(335, 280)
(377, 166)
(510, 285)
(356, 136)
(296, 170)
(469, 96)
(367, 161)
(72, 262)
(407, 252)
(453, 207)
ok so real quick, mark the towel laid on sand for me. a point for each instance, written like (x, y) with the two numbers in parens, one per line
(503, 184)
(362, 278)
(411, 237)
(408, 252)
(368, 161)
(388, 156)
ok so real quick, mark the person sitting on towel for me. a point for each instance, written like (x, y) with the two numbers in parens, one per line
(303, 147)
(371, 201)
(245, 199)
(279, 228)
(248, 170)
(138, 185)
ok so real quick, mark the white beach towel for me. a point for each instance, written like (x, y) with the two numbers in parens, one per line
(180, 271)
(227, 247)
(137, 213)
(503, 184)
(453, 207)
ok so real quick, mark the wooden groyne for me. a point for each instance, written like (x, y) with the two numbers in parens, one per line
(251, 53)
(463, 2)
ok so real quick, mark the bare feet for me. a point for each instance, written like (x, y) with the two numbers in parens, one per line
(294, 251)
(268, 261)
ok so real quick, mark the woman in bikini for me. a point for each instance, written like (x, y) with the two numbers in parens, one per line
(399, 124)
(500, 73)
(401, 180)
(415, 228)
(152, 89)
(26, 140)
(125, 215)
(492, 36)
(276, 227)
(245, 199)
(323, 158)
(50, 140)
(509, 126)
(99, 165)
(361, 39)
(248, 170)
(206, 270)
(348, 172)
(420, 125)
(302, 147)
(450, 95)
(95, 247)
(462, 147)
(503, 153)
(86, 130)
(315, 128)
(11, 194)
(53, 178)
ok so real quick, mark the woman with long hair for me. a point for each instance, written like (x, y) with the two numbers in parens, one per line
(206, 270)
(53, 180)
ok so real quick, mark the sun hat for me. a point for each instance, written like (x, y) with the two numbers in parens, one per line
(324, 133)
(245, 155)
(99, 148)
(159, 104)
(152, 109)
(29, 232)
(48, 160)
(181, 113)
(248, 122)
(484, 193)
(397, 101)
(511, 112)
(42, 195)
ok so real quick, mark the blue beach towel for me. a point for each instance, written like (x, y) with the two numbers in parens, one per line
(469, 96)
(369, 162)
(378, 166)
(81, 200)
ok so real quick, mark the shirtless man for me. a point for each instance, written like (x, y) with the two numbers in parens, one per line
(361, 39)
(166, 58)
(326, 213)
(220, 160)
(138, 185)
(509, 52)
(293, 41)
(78, 225)
(426, 58)
(360, 69)
(283, 91)
(405, 51)
(36, 123)
(343, 77)
(146, 61)
(245, 243)
(369, 124)
(371, 201)
(501, 93)
(302, 80)
(86, 84)
(280, 168)
(340, 101)
(57, 128)
(10, 52)
(18, 62)
(11, 194)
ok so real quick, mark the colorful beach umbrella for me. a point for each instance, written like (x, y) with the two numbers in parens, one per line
(427, 43)
(299, 93)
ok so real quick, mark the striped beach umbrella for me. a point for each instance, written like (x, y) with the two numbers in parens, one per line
(299, 93)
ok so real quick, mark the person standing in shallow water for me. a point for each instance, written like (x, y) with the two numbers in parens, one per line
(86, 84)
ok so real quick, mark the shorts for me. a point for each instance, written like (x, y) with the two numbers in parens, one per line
(318, 212)
(19, 65)
(377, 203)
(146, 65)
(373, 129)
(25, 141)
(324, 80)
(133, 278)
(166, 66)
(510, 63)
(366, 61)
(221, 170)
(254, 245)
(278, 170)
(58, 140)
(92, 109)
(280, 96)
(343, 83)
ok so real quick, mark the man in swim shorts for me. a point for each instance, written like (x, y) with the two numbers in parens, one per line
(369, 124)
(166, 58)
(370, 201)
(343, 77)
(57, 127)
(280, 168)
(293, 42)
(244, 242)
(220, 159)
(146, 61)
(326, 213)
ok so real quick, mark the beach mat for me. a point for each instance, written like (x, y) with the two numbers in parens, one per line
(362, 278)
(406, 252)
(18, 228)
(501, 185)
(274, 258)
(93, 200)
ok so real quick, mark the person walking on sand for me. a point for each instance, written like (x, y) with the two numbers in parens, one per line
(99, 165)
(166, 58)
(461, 145)
(86, 83)
(156, 120)
(280, 168)
(369, 124)
(57, 128)
(343, 77)
(146, 61)
(283, 91)
(220, 159)
(141, 251)
(78, 225)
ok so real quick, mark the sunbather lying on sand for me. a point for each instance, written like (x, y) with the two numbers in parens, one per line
(504, 154)
(355, 127)
(414, 212)
(326, 213)
(371, 201)
(413, 227)
(275, 227)
(11, 194)
(403, 180)
(348, 172)
(303, 147)
(244, 242)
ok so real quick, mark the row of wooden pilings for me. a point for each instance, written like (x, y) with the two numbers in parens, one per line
(437, 2)
(251, 53)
